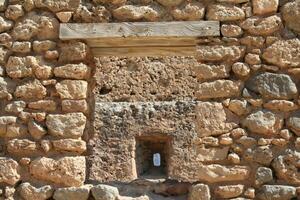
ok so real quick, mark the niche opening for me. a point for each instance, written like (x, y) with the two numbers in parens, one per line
(152, 154)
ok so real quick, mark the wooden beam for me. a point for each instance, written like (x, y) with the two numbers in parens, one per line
(70, 31)
(144, 51)
(142, 42)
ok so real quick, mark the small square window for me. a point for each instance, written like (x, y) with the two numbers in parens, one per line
(152, 157)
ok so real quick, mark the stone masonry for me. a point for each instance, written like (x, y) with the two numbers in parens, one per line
(225, 123)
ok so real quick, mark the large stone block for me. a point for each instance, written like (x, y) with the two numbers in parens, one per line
(9, 173)
(66, 171)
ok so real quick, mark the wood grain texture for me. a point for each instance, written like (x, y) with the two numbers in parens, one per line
(143, 41)
(144, 51)
(69, 31)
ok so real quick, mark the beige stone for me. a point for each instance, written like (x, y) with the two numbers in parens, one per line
(215, 173)
(283, 53)
(21, 47)
(211, 154)
(239, 107)
(64, 16)
(72, 89)
(42, 46)
(16, 130)
(73, 51)
(211, 72)
(44, 105)
(229, 191)
(114, 2)
(56, 6)
(224, 12)
(134, 13)
(219, 89)
(170, 3)
(69, 125)
(262, 26)
(7, 86)
(230, 30)
(189, 11)
(101, 192)
(6, 121)
(241, 69)
(13, 12)
(74, 106)
(72, 71)
(263, 122)
(4, 54)
(36, 130)
(73, 193)
(291, 14)
(29, 192)
(20, 67)
(214, 119)
(31, 90)
(293, 122)
(9, 171)
(43, 72)
(5, 24)
(262, 7)
(220, 53)
(281, 105)
(6, 40)
(15, 107)
(69, 145)
(66, 171)
(21, 146)
(199, 191)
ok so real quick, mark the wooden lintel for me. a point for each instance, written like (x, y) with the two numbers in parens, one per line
(70, 31)
(144, 51)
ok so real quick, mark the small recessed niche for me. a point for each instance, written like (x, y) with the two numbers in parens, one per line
(152, 155)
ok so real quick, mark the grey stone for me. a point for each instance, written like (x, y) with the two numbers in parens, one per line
(294, 123)
(276, 192)
(199, 191)
(273, 86)
(263, 175)
(105, 192)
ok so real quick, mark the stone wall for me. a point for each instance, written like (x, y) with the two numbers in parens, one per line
(226, 121)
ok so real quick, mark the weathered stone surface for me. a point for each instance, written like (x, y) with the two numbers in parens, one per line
(263, 122)
(134, 13)
(43, 26)
(199, 191)
(69, 145)
(66, 171)
(44, 105)
(281, 105)
(290, 14)
(73, 51)
(42, 46)
(15, 107)
(13, 12)
(72, 71)
(36, 130)
(72, 193)
(294, 122)
(262, 26)
(145, 79)
(74, 106)
(241, 69)
(214, 119)
(21, 47)
(29, 192)
(9, 171)
(72, 89)
(114, 2)
(87, 14)
(262, 155)
(263, 175)
(283, 53)
(215, 173)
(7, 86)
(273, 86)
(189, 11)
(220, 53)
(4, 54)
(229, 191)
(56, 6)
(262, 7)
(31, 90)
(105, 192)
(6, 40)
(170, 3)
(211, 154)
(20, 67)
(69, 125)
(5, 24)
(219, 89)
(276, 192)
(224, 12)
(286, 166)
(239, 107)
(21, 146)
(229, 30)
(211, 72)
